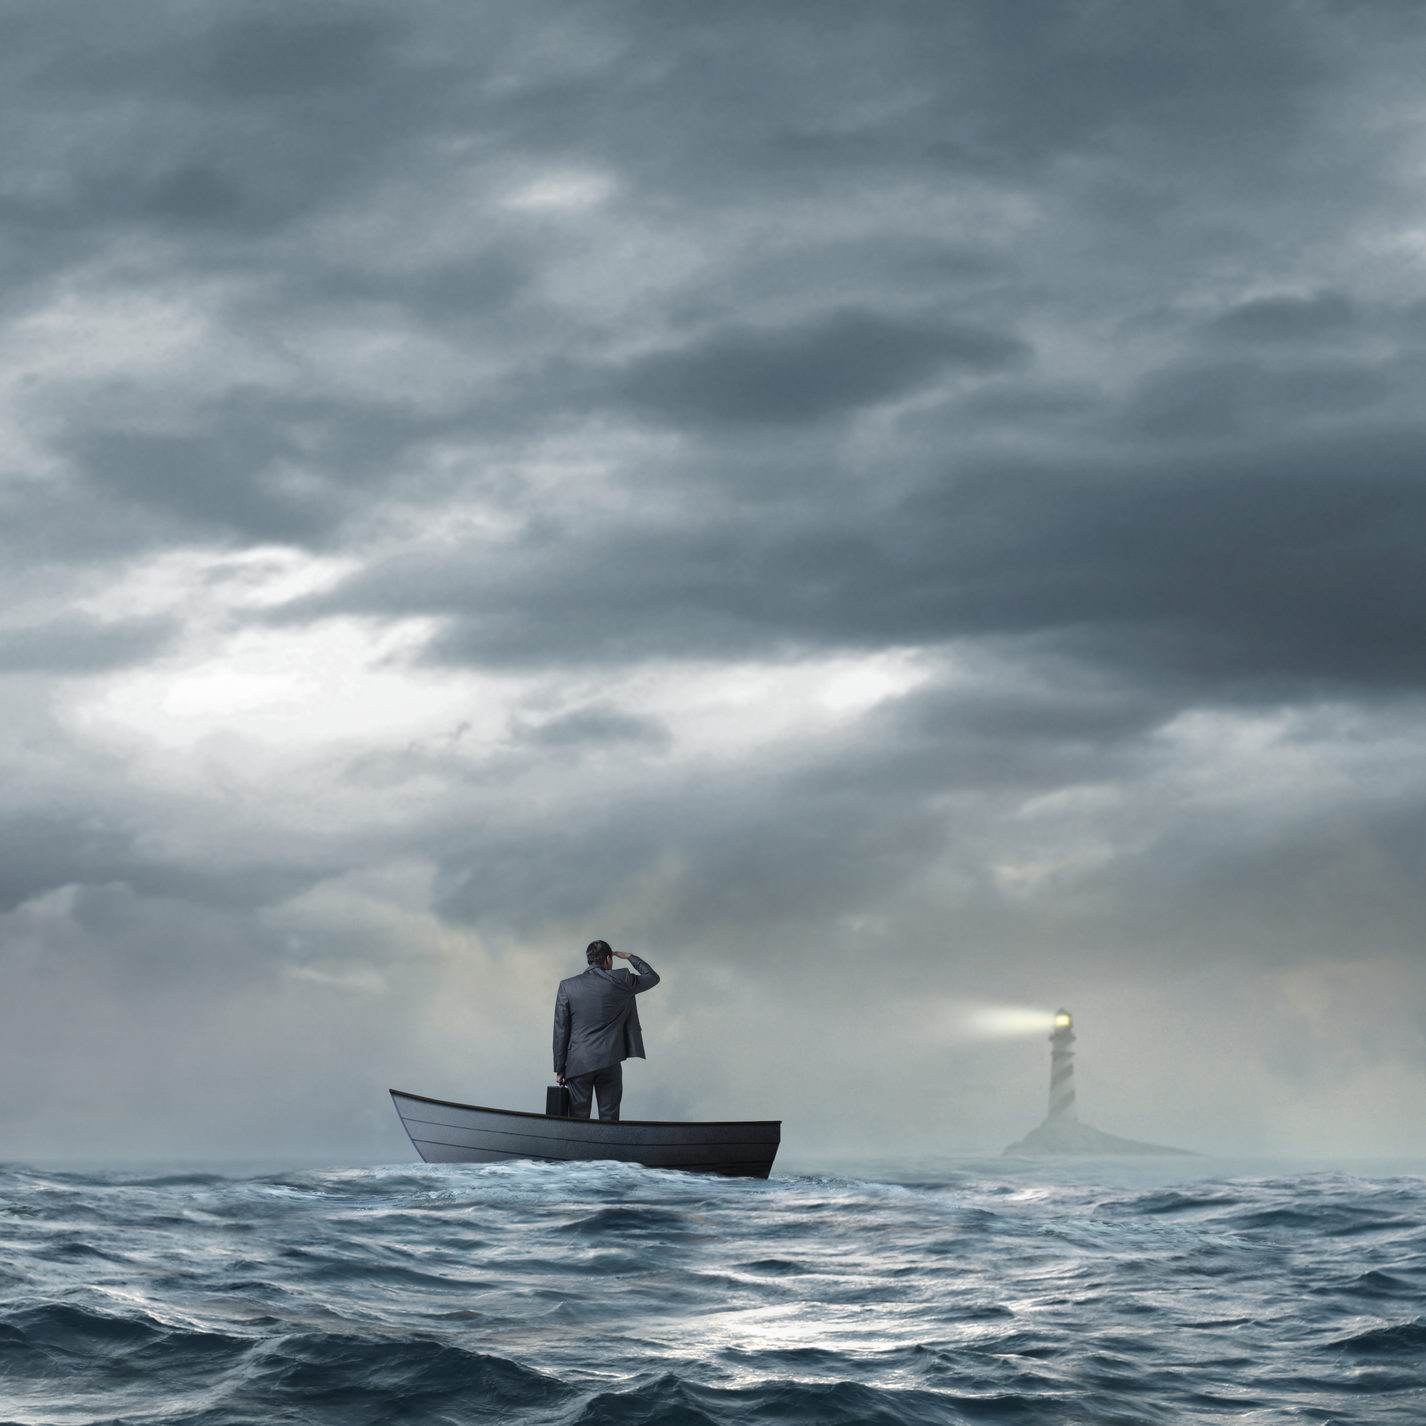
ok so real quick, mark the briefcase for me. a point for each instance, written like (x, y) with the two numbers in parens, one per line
(557, 1100)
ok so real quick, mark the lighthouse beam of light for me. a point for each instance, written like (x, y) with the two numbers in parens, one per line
(996, 1022)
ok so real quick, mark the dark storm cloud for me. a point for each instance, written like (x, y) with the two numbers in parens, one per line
(1247, 568)
(256, 464)
(261, 114)
(1288, 319)
(206, 152)
(831, 366)
(204, 480)
(809, 95)
(592, 726)
(1223, 399)
(278, 54)
(1069, 728)
(257, 123)
(41, 853)
(76, 646)
(459, 295)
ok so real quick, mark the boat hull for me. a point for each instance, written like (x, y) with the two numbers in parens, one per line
(445, 1132)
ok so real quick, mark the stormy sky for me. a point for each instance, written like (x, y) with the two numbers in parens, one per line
(882, 510)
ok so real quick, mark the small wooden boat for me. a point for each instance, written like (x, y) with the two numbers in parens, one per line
(448, 1133)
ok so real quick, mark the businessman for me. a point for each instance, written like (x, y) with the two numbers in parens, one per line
(597, 1028)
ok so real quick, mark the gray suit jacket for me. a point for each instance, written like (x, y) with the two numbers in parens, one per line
(596, 1021)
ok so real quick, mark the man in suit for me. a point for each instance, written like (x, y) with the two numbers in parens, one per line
(597, 1028)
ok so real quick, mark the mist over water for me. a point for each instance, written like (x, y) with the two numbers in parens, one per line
(598, 1293)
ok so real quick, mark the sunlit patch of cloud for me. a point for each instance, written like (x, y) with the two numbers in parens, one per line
(200, 581)
(1022, 878)
(569, 192)
(362, 979)
(864, 682)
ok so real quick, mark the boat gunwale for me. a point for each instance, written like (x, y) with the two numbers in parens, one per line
(570, 1119)
(611, 1140)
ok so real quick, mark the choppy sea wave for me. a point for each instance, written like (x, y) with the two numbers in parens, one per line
(602, 1294)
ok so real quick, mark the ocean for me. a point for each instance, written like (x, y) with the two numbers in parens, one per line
(966, 1291)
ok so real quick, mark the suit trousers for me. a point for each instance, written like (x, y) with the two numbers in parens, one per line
(609, 1082)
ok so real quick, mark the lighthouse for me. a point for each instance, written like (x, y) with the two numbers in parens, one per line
(1062, 1132)
(1061, 1068)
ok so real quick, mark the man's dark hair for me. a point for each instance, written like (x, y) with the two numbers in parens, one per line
(598, 952)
